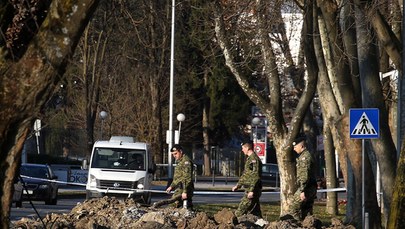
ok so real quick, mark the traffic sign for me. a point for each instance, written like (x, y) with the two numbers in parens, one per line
(364, 123)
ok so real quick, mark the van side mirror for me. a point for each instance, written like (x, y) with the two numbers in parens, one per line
(85, 166)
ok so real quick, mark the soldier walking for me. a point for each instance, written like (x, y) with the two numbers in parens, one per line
(303, 199)
(251, 182)
(182, 181)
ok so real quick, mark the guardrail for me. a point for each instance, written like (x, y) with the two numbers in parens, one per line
(158, 175)
(174, 165)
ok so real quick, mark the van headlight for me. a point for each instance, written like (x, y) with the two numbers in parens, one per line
(93, 181)
(141, 183)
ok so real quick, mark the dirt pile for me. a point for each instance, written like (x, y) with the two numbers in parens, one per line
(113, 213)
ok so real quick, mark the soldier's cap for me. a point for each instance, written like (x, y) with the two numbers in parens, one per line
(300, 138)
(246, 142)
(176, 147)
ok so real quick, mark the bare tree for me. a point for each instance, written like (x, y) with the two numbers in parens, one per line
(29, 74)
(128, 81)
(149, 40)
(338, 55)
(270, 103)
(92, 60)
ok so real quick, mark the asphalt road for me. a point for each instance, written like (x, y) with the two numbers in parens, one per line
(27, 210)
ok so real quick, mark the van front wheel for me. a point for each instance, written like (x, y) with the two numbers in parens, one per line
(147, 198)
(18, 204)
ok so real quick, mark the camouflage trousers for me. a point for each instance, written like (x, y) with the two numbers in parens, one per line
(300, 209)
(177, 200)
(250, 206)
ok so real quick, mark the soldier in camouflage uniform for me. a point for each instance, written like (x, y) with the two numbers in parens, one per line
(304, 197)
(251, 182)
(182, 180)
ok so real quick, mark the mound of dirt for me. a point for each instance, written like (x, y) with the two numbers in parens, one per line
(111, 213)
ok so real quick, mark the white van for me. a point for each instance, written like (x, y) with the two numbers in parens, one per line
(120, 167)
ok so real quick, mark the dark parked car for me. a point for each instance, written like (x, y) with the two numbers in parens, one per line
(36, 189)
(270, 175)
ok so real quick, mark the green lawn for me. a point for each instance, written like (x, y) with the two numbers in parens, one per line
(271, 211)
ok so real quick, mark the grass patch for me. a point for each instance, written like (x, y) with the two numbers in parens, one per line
(271, 210)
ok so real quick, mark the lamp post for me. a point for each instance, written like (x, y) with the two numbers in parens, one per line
(170, 132)
(255, 123)
(103, 115)
(180, 118)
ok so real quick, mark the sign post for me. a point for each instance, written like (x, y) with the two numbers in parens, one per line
(259, 135)
(364, 124)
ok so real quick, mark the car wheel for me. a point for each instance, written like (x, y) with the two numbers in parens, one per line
(54, 201)
(18, 204)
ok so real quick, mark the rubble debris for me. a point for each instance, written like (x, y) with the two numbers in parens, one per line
(113, 213)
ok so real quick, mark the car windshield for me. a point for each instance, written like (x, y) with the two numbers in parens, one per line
(112, 158)
(34, 171)
(270, 169)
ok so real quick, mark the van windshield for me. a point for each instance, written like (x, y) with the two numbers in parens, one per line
(112, 158)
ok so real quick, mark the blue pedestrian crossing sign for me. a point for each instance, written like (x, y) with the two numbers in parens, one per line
(364, 123)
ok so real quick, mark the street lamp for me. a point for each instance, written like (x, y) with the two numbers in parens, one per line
(180, 117)
(37, 128)
(255, 123)
(103, 116)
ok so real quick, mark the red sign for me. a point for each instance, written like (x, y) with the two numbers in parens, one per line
(260, 148)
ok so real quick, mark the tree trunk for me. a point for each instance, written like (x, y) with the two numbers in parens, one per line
(13, 147)
(327, 108)
(92, 77)
(332, 104)
(384, 147)
(385, 34)
(155, 38)
(353, 147)
(343, 88)
(397, 213)
(27, 84)
(350, 44)
(330, 164)
(288, 173)
(206, 127)
(156, 117)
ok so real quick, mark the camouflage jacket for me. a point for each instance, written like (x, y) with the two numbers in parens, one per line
(305, 171)
(251, 177)
(183, 175)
